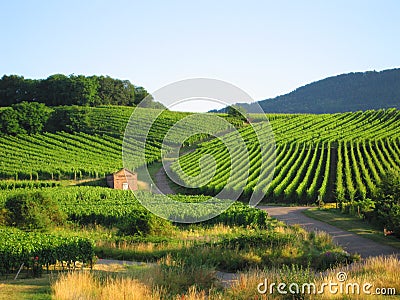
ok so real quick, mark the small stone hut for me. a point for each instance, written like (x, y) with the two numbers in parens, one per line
(123, 180)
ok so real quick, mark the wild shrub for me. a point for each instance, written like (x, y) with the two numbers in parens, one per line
(33, 210)
(143, 223)
(387, 201)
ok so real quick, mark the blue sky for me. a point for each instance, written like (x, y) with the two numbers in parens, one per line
(266, 48)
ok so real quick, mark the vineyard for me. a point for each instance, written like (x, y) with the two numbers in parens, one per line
(96, 150)
(338, 156)
(41, 249)
(98, 205)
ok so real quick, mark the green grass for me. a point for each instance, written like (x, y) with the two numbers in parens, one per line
(352, 224)
(30, 289)
(192, 254)
(233, 248)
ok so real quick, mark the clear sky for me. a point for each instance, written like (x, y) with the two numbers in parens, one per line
(267, 48)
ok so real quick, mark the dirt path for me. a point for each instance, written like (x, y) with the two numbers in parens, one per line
(351, 242)
(102, 261)
(161, 177)
(226, 279)
(161, 181)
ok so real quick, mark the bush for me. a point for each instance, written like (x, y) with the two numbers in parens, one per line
(143, 223)
(178, 274)
(237, 112)
(32, 210)
(24, 117)
(37, 249)
(69, 119)
(256, 239)
(240, 214)
(3, 216)
(387, 201)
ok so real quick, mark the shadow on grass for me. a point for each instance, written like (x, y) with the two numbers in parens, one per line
(36, 288)
(352, 224)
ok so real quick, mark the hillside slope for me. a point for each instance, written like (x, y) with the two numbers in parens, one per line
(92, 147)
(342, 93)
(337, 156)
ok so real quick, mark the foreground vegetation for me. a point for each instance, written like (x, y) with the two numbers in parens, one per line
(160, 281)
(155, 282)
(232, 248)
(239, 238)
(186, 261)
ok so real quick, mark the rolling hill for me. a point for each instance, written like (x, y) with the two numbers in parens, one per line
(342, 93)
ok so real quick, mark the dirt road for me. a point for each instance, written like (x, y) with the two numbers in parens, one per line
(351, 242)
(161, 180)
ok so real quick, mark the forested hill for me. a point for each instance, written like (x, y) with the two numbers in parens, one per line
(342, 93)
(59, 89)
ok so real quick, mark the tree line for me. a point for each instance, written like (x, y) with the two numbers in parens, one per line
(59, 89)
(34, 117)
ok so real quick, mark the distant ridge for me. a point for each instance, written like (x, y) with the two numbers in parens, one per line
(342, 93)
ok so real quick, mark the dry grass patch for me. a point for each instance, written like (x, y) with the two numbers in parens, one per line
(381, 272)
(169, 283)
(84, 285)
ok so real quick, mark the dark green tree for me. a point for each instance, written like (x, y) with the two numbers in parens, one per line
(106, 89)
(59, 89)
(69, 119)
(56, 90)
(387, 201)
(85, 90)
(31, 116)
(15, 89)
(237, 112)
(115, 91)
(9, 123)
(33, 210)
(140, 94)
